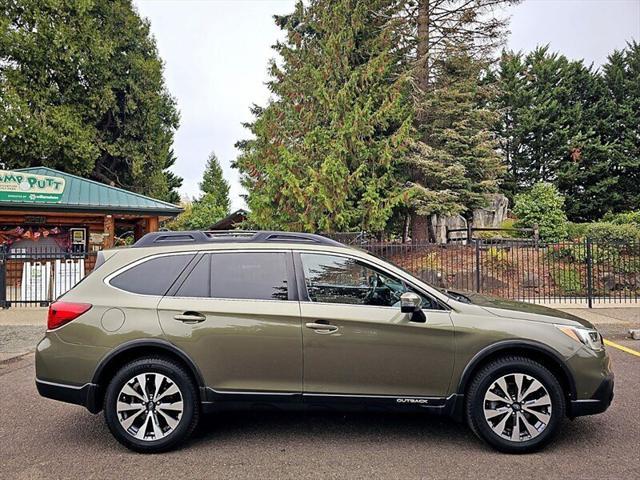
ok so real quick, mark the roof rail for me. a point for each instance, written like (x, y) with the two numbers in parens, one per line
(195, 237)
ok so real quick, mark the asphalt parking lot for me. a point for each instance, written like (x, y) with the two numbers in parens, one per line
(41, 438)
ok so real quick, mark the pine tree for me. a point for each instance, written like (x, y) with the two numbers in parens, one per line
(445, 34)
(214, 184)
(456, 163)
(325, 149)
(568, 124)
(213, 204)
(621, 128)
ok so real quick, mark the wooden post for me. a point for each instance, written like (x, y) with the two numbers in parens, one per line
(138, 230)
(109, 231)
(152, 224)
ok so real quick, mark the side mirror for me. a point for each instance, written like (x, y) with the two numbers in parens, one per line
(410, 302)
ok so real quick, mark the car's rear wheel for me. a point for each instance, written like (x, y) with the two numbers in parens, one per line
(151, 405)
(515, 404)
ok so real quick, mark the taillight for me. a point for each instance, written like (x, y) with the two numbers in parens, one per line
(61, 313)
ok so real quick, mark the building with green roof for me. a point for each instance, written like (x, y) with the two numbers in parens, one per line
(40, 203)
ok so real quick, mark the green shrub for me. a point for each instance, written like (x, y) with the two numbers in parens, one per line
(509, 223)
(486, 235)
(626, 218)
(606, 232)
(498, 258)
(605, 254)
(628, 265)
(568, 280)
(568, 252)
(576, 231)
(543, 205)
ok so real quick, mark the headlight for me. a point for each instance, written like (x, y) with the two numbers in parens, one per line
(587, 336)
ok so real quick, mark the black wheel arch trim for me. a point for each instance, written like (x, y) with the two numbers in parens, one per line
(505, 345)
(149, 342)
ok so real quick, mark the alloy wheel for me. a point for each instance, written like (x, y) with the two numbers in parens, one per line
(517, 407)
(149, 406)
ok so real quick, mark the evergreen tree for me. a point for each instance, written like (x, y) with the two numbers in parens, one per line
(568, 124)
(324, 151)
(622, 127)
(445, 34)
(213, 204)
(456, 163)
(173, 182)
(81, 90)
(214, 184)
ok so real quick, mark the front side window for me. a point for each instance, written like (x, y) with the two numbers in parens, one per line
(335, 279)
(152, 277)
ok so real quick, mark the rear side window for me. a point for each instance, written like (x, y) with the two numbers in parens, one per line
(249, 275)
(152, 277)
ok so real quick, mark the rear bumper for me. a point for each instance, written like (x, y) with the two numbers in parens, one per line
(85, 395)
(598, 403)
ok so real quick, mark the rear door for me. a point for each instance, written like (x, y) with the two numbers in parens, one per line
(356, 340)
(236, 314)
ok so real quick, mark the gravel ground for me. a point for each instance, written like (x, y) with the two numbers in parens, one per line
(19, 339)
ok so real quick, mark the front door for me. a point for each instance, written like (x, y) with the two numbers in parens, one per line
(237, 316)
(356, 340)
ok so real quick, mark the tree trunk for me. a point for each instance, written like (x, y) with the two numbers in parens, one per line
(421, 227)
(405, 228)
(422, 71)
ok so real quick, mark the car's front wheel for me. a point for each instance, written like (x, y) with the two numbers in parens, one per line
(151, 405)
(515, 404)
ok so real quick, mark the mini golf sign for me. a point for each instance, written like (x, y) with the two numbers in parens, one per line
(29, 188)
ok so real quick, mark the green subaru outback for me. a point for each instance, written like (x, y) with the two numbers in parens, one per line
(185, 323)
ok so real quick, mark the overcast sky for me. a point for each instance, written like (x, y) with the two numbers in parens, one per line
(216, 53)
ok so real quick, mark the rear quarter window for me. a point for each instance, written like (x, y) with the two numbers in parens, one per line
(153, 276)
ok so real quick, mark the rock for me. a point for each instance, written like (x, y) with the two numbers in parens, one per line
(612, 282)
(490, 216)
(635, 334)
(493, 214)
(633, 280)
(433, 277)
(468, 281)
(530, 280)
(443, 223)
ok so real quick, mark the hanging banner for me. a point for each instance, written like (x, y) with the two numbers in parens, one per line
(36, 278)
(26, 187)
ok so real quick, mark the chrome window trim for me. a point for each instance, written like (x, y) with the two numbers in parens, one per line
(111, 276)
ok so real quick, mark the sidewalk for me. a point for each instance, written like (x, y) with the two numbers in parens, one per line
(20, 330)
(613, 323)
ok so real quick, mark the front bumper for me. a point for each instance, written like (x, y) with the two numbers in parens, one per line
(85, 395)
(598, 403)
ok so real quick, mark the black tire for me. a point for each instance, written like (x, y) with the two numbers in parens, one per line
(484, 380)
(187, 422)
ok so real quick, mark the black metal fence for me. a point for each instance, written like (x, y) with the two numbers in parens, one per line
(36, 277)
(572, 272)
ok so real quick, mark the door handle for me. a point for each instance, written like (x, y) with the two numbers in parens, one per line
(190, 317)
(321, 327)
